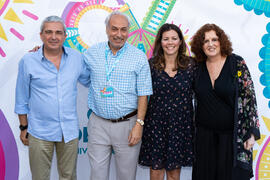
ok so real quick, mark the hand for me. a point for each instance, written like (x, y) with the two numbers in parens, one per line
(135, 135)
(36, 48)
(248, 144)
(23, 137)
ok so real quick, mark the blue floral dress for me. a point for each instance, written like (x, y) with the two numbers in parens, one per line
(168, 131)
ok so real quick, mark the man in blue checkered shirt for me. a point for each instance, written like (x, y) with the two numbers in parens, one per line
(120, 84)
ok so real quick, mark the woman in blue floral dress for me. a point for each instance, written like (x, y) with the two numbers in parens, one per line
(168, 133)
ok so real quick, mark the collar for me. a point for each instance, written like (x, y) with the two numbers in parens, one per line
(41, 54)
(120, 51)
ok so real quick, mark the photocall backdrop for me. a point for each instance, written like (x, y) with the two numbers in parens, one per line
(245, 21)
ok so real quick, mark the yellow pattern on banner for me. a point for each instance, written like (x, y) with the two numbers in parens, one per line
(23, 1)
(264, 170)
(2, 33)
(266, 120)
(260, 141)
(12, 16)
(1, 3)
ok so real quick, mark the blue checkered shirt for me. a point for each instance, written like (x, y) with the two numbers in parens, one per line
(130, 78)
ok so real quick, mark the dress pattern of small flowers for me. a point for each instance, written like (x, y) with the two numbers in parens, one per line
(168, 131)
(247, 120)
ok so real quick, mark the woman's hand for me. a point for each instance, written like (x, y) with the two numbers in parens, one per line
(248, 144)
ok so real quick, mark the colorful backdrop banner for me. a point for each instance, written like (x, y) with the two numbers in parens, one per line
(245, 21)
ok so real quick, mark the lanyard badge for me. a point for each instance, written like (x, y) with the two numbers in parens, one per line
(107, 92)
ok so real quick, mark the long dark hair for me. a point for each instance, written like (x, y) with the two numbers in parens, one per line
(182, 60)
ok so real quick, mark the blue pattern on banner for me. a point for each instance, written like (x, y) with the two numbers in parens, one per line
(259, 6)
(264, 65)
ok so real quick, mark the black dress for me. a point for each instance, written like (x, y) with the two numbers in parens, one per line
(214, 126)
(168, 131)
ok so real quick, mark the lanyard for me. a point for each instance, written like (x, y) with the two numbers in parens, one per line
(110, 70)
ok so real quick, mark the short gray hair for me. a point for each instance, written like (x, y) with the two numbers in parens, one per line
(53, 19)
(108, 18)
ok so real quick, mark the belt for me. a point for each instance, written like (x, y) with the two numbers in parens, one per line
(124, 118)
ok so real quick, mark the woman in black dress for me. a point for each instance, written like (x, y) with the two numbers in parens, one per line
(167, 136)
(226, 120)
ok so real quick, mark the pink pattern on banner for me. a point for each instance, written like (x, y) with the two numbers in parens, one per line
(2, 53)
(2, 163)
(260, 158)
(4, 7)
(17, 34)
(73, 9)
(27, 13)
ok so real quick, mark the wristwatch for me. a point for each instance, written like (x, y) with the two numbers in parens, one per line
(22, 128)
(141, 122)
